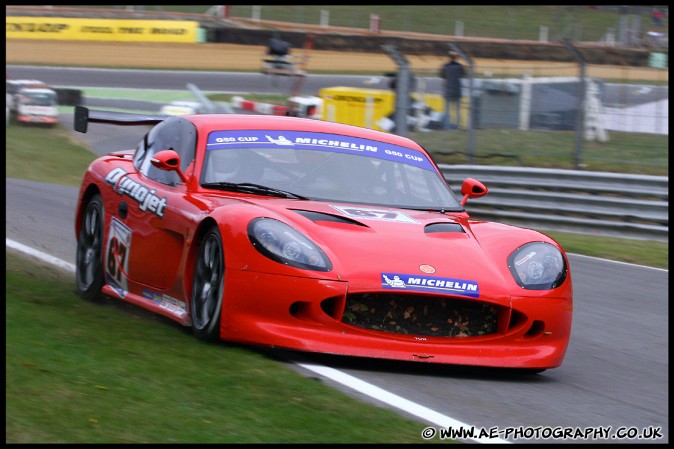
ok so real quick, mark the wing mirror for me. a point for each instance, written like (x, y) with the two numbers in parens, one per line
(168, 160)
(472, 188)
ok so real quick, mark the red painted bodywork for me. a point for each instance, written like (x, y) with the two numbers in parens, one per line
(268, 303)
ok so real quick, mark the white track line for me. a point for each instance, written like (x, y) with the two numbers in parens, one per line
(426, 414)
(40, 255)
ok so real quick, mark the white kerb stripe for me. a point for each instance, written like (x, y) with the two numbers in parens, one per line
(389, 398)
(40, 255)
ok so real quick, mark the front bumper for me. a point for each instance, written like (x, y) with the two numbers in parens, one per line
(38, 119)
(309, 315)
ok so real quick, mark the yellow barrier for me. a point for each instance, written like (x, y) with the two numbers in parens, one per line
(101, 29)
(366, 107)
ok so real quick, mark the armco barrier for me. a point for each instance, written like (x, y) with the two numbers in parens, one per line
(596, 203)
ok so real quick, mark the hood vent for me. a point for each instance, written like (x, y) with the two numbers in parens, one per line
(443, 227)
(320, 216)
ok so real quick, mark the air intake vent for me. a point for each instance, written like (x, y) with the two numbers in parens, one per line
(320, 216)
(421, 315)
(443, 227)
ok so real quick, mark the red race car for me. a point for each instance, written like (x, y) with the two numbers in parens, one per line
(315, 236)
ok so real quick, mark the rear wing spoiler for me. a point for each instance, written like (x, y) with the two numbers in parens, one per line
(84, 116)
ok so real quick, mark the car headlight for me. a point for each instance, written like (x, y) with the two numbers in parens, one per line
(537, 266)
(285, 245)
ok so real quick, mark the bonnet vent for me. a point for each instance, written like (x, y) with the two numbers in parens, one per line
(320, 216)
(443, 227)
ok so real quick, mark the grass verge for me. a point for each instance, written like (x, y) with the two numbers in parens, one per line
(641, 252)
(79, 372)
(42, 154)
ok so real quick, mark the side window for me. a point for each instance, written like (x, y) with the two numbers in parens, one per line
(174, 133)
(141, 150)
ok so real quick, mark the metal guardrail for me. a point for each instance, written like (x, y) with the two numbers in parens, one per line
(595, 203)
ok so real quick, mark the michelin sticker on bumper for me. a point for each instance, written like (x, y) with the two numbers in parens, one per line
(460, 287)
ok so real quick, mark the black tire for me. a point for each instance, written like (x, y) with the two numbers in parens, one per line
(89, 259)
(208, 287)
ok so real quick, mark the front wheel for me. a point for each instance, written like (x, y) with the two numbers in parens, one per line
(208, 287)
(89, 260)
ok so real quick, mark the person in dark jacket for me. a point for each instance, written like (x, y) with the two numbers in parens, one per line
(452, 72)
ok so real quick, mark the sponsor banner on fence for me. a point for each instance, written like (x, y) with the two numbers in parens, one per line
(101, 29)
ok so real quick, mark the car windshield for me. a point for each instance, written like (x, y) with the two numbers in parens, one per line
(35, 98)
(327, 167)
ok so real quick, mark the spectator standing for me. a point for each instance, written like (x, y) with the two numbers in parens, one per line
(278, 48)
(452, 72)
(656, 16)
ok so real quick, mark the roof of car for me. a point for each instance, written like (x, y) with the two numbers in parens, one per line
(27, 83)
(219, 122)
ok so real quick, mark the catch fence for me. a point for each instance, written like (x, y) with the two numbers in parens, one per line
(577, 116)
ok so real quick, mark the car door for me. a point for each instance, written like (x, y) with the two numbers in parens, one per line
(157, 214)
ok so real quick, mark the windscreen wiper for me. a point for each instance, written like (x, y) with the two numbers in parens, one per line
(248, 187)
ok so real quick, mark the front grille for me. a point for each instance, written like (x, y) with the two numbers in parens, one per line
(420, 315)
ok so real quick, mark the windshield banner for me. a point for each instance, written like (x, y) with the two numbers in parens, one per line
(301, 140)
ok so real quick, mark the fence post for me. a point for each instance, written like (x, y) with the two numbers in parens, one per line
(458, 28)
(369, 112)
(402, 88)
(420, 103)
(525, 102)
(580, 114)
(374, 23)
(594, 128)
